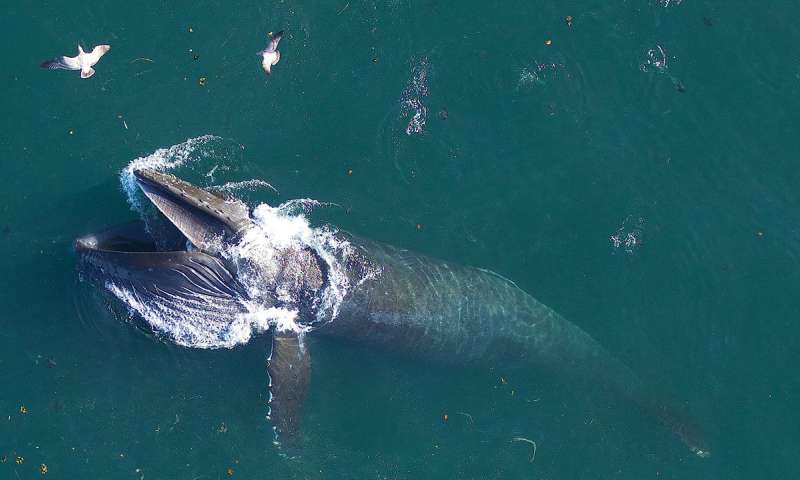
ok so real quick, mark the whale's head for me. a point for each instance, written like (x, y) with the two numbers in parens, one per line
(190, 290)
(199, 290)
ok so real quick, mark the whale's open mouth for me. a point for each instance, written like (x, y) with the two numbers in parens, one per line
(190, 296)
(130, 237)
(206, 273)
(187, 290)
(127, 254)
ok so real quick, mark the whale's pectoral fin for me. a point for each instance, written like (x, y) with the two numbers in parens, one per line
(289, 368)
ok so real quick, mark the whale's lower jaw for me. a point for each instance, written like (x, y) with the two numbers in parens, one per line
(125, 258)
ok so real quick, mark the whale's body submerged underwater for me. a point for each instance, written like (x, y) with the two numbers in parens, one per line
(363, 291)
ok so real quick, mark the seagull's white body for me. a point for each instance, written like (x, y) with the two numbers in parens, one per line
(83, 62)
(268, 59)
(270, 55)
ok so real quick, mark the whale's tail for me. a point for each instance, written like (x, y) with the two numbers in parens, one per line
(558, 344)
(590, 359)
(678, 421)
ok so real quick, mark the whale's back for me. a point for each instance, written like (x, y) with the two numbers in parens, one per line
(427, 308)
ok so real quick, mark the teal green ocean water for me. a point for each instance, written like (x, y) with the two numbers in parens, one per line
(637, 174)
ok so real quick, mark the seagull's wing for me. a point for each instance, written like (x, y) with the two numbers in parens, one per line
(97, 52)
(273, 43)
(66, 63)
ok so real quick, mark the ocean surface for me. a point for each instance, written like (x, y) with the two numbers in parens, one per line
(634, 168)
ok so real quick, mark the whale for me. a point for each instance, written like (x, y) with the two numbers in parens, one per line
(361, 291)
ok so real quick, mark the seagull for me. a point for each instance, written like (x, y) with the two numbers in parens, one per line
(270, 55)
(83, 62)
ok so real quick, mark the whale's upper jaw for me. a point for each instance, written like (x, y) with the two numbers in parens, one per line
(207, 220)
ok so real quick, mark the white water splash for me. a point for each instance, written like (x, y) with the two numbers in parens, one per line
(528, 77)
(297, 206)
(656, 59)
(283, 319)
(189, 322)
(254, 184)
(162, 159)
(281, 230)
(539, 73)
(411, 101)
(628, 236)
(210, 173)
(275, 233)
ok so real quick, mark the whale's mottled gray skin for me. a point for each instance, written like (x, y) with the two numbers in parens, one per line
(398, 300)
(452, 313)
(428, 308)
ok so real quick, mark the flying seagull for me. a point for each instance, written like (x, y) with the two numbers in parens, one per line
(83, 62)
(270, 55)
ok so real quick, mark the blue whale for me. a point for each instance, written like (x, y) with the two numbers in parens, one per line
(395, 299)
